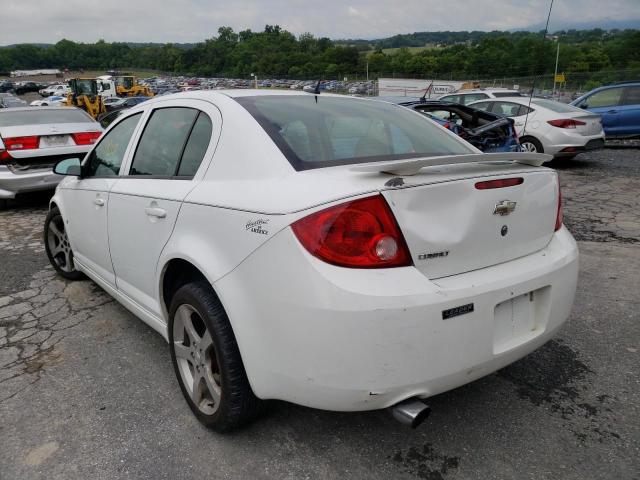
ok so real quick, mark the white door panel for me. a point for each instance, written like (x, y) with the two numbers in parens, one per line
(140, 225)
(86, 204)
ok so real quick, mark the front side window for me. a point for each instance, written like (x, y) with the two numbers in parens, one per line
(105, 160)
(315, 131)
(604, 98)
(165, 142)
(507, 108)
(472, 97)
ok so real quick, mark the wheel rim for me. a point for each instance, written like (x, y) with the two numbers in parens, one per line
(528, 147)
(59, 245)
(196, 359)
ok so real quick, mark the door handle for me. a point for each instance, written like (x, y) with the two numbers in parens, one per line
(99, 202)
(155, 212)
(612, 111)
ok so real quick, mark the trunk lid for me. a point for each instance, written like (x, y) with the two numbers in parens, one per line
(451, 228)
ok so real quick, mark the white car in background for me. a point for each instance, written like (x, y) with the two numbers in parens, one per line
(54, 100)
(466, 97)
(60, 90)
(335, 252)
(32, 140)
(550, 127)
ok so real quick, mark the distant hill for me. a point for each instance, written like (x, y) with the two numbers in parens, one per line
(576, 32)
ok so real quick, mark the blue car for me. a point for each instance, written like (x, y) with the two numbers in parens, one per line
(619, 106)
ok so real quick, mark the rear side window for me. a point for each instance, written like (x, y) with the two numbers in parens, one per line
(631, 96)
(40, 116)
(105, 160)
(196, 146)
(320, 131)
(172, 135)
(451, 98)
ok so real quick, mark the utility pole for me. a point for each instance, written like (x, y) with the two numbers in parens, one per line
(555, 75)
(367, 70)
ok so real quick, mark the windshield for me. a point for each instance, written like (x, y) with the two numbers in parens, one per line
(43, 116)
(555, 106)
(317, 131)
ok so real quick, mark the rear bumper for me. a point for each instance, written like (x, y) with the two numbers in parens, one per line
(28, 181)
(568, 144)
(348, 339)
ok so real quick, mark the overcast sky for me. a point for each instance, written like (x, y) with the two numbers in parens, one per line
(47, 21)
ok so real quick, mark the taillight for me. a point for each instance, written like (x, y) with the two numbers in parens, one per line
(4, 156)
(86, 138)
(21, 143)
(500, 183)
(358, 234)
(559, 212)
(566, 123)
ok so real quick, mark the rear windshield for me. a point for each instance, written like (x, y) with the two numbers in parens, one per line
(555, 106)
(315, 131)
(43, 116)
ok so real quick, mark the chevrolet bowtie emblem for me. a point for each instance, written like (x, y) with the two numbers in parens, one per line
(504, 207)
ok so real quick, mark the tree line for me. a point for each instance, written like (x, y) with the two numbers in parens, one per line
(275, 52)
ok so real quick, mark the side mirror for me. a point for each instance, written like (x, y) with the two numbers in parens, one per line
(68, 166)
(583, 105)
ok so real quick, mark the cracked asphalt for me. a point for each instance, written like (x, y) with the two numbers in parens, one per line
(87, 390)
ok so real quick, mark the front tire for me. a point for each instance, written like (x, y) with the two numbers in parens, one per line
(207, 361)
(57, 246)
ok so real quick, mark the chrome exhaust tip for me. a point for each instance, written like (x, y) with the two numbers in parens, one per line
(411, 412)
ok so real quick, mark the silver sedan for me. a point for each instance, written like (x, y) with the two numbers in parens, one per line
(33, 140)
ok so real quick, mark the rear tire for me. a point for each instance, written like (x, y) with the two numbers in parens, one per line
(531, 144)
(57, 246)
(207, 361)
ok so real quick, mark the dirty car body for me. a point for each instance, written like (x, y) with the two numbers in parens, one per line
(362, 254)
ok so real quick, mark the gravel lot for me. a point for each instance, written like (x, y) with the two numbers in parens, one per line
(87, 390)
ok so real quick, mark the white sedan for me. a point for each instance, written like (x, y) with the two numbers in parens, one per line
(335, 252)
(53, 100)
(546, 126)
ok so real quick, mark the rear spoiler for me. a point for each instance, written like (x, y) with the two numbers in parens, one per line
(414, 165)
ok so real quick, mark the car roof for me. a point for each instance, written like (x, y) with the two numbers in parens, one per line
(520, 99)
(30, 109)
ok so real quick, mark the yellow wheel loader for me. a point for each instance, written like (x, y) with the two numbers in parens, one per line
(84, 94)
(127, 86)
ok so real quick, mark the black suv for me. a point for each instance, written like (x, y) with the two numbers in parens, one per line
(27, 87)
(5, 86)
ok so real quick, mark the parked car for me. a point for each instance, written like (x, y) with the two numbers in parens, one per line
(550, 127)
(465, 97)
(486, 131)
(335, 252)
(6, 86)
(25, 87)
(32, 140)
(8, 100)
(60, 90)
(52, 100)
(618, 105)
(111, 100)
(107, 118)
(126, 102)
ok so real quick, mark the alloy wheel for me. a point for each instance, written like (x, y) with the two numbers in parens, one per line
(529, 147)
(196, 358)
(59, 245)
